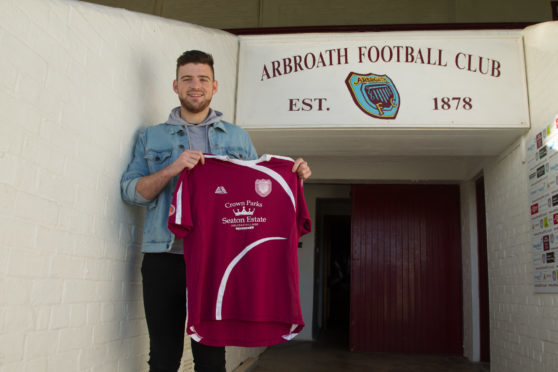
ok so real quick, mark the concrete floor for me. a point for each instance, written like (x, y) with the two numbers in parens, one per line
(333, 355)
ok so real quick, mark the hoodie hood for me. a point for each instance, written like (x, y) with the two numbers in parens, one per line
(175, 119)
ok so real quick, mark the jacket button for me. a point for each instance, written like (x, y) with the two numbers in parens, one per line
(181, 146)
(157, 158)
(181, 133)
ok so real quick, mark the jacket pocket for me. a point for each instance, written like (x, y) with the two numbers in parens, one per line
(157, 160)
(237, 154)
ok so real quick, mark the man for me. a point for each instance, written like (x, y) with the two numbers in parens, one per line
(161, 153)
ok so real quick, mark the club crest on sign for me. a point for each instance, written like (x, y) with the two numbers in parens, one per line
(263, 187)
(375, 95)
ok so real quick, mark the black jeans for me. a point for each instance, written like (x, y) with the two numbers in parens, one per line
(164, 298)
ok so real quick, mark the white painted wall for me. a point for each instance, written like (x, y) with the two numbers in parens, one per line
(523, 329)
(77, 81)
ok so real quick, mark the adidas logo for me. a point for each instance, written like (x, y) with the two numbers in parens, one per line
(220, 190)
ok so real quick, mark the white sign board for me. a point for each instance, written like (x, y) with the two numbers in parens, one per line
(461, 79)
(542, 168)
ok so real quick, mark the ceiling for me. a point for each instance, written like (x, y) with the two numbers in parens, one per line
(385, 142)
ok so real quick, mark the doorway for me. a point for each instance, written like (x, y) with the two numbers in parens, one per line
(332, 272)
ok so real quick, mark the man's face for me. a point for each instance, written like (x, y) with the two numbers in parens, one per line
(195, 86)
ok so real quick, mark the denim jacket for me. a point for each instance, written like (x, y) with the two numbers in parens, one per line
(156, 148)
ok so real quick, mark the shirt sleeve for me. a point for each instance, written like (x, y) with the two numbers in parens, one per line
(180, 217)
(303, 217)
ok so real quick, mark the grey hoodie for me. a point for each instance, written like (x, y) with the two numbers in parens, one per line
(198, 138)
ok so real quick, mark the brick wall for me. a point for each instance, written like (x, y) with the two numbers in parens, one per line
(77, 81)
(524, 335)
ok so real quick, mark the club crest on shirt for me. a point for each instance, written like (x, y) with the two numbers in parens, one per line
(263, 187)
(172, 210)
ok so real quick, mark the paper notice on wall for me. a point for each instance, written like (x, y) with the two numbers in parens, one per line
(542, 168)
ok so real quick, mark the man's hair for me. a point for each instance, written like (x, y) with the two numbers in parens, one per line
(195, 56)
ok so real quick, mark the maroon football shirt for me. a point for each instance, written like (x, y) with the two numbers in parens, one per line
(240, 222)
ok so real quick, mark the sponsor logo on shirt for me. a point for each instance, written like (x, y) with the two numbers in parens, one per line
(244, 218)
(244, 212)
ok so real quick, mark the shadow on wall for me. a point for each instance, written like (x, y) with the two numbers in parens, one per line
(133, 324)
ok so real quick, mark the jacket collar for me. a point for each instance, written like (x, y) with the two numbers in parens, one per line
(173, 128)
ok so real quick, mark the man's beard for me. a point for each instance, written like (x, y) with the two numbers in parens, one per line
(195, 109)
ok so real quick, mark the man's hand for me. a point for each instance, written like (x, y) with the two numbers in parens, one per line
(150, 186)
(302, 169)
(187, 160)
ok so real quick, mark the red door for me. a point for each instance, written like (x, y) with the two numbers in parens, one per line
(406, 269)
